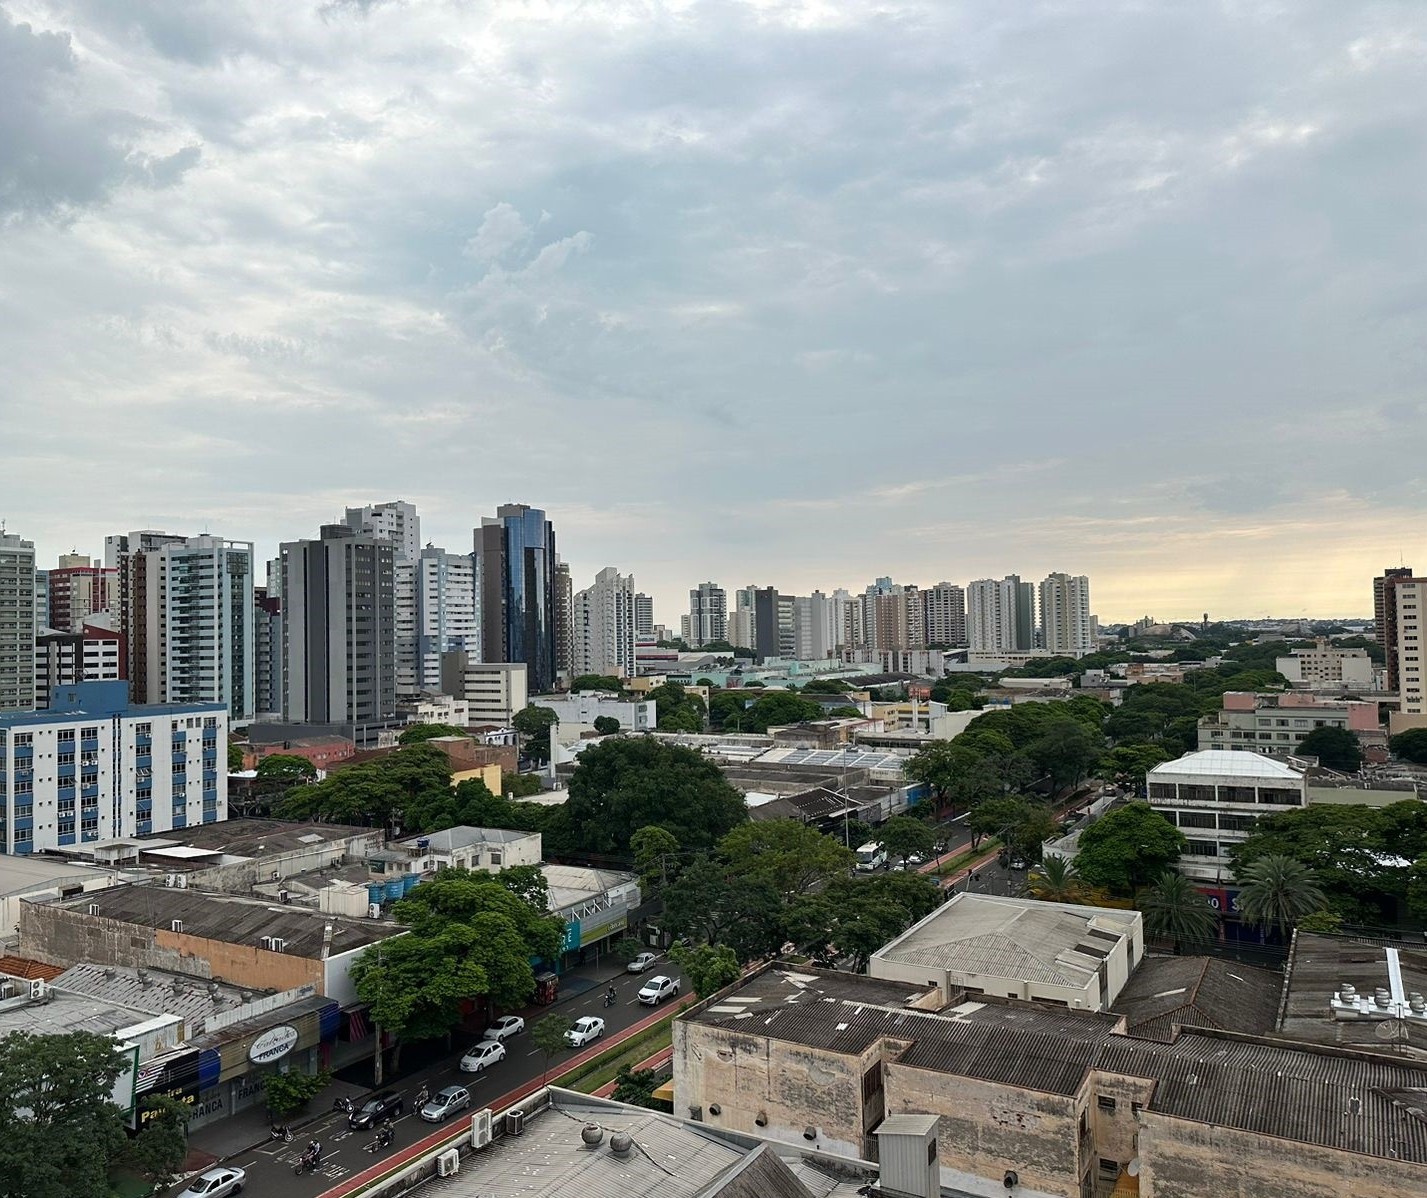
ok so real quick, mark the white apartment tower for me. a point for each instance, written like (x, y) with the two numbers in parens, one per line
(1411, 596)
(814, 627)
(603, 618)
(17, 623)
(991, 615)
(1066, 626)
(643, 615)
(944, 607)
(396, 522)
(447, 615)
(708, 614)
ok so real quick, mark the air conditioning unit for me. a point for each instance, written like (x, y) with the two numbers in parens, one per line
(374, 910)
(176, 925)
(278, 944)
(515, 1122)
(94, 908)
(481, 1130)
(448, 1164)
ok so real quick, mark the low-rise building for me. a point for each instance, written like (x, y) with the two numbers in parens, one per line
(1166, 994)
(1080, 957)
(493, 691)
(585, 707)
(594, 903)
(489, 850)
(1327, 667)
(95, 766)
(1276, 723)
(1037, 1100)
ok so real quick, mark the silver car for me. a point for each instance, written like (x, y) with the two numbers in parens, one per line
(445, 1103)
(216, 1183)
(642, 962)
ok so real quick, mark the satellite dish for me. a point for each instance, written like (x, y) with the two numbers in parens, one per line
(1133, 1168)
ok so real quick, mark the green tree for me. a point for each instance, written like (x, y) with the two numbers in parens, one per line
(63, 1131)
(768, 710)
(826, 686)
(1067, 750)
(709, 967)
(287, 1093)
(940, 763)
(1128, 847)
(548, 1036)
(606, 725)
(627, 783)
(1322, 921)
(677, 709)
(521, 786)
(854, 917)
(636, 1087)
(905, 835)
(1055, 880)
(1335, 748)
(286, 765)
(791, 856)
(1176, 912)
(1127, 765)
(159, 1148)
(1276, 892)
(415, 734)
(715, 906)
(656, 857)
(528, 883)
(375, 792)
(235, 757)
(534, 724)
(1410, 745)
(1416, 889)
(998, 817)
(597, 682)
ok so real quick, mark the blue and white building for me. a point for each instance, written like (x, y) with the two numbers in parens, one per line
(94, 767)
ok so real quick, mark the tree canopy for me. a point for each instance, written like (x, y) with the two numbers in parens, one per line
(710, 967)
(905, 835)
(388, 791)
(1335, 748)
(677, 710)
(596, 682)
(1128, 847)
(416, 733)
(738, 711)
(792, 857)
(606, 725)
(534, 725)
(1410, 745)
(621, 785)
(286, 765)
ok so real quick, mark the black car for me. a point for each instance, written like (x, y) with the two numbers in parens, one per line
(377, 1109)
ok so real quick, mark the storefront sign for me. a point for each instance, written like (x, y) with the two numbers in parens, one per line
(273, 1045)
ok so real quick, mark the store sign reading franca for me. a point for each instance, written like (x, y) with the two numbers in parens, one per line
(273, 1045)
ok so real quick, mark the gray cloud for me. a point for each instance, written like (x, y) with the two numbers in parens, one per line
(797, 292)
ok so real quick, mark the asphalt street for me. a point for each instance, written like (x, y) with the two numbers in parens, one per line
(270, 1168)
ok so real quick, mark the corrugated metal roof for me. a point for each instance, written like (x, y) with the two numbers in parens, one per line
(1234, 763)
(1166, 992)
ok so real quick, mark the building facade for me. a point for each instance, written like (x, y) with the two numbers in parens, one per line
(338, 628)
(1275, 723)
(447, 614)
(516, 560)
(94, 766)
(78, 590)
(94, 654)
(1327, 667)
(708, 614)
(584, 707)
(1066, 627)
(396, 522)
(492, 690)
(1385, 616)
(604, 628)
(1409, 599)
(945, 615)
(17, 623)
(267, 654)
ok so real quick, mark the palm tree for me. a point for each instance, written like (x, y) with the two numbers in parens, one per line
(1054, 880)
(1277, 891)
(1175, 911)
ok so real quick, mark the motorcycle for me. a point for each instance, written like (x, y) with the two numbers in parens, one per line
(308, 1162)
(342, 1104)
(383, 1140)
(281, 1131)
(610, 997)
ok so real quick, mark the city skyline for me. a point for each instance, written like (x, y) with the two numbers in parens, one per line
(934, 291)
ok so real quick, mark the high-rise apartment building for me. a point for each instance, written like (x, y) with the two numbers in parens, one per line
(338, 627)
(62, 659)
(492, 690)
(186, 611)
(267, 652)
(944, 615)
(814, 627)
(79, 590)
(396, 522)
(94, 767)
(643, 614)
(516, 560)
(1409, 602)
(708, 614)
(17, 623)
(1384, 602)
(1066, 627)
(604, 626)
(447, 615)
(1000, 615)
(564, 606)
(767, 641)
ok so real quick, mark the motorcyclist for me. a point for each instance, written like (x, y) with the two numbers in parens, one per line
(314, 1151)
(610, 996)
(387, 1134)
(421, 1097)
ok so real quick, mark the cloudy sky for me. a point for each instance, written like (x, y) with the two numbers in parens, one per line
(796, 292)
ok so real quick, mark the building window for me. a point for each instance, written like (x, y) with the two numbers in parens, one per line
(1202, 848)
(1196, 819)
(1105, 1103)
(65, 736)
(1136, 1107)
(1162, 790)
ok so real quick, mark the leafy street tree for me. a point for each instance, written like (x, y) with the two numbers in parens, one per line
(940, 763)
(548, 1035)
(1276, 892)
(710, 967)
(711, 904)
(792, 857)
(1416, 889)
(534, 725)
(521, 786)
(287, 1093)
(596, 682)
(235, 757)
(63, 1131)
(1055, 880)
(677, 710)
(656, 857)
(376, 792)
(161, 1145)
(1176, 912)
(1322, 921)
(606, 725)
(905, 835)
(286, 765)
(1410, 745)
(470, 936)
(1335, 748)
(773, 709)
(1128, 847)
(636, 1088)
(1067, 750)
(1127, 765)
(854, 917)
(997, 817)
(624, 784)
(416, 733)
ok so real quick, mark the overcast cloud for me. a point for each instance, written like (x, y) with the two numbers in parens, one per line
(782, 292)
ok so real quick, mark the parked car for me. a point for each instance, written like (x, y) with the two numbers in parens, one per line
(504, 1028)
(642, 962)
(216, 1183)
(1018, 862)
(446, 1102)
(586, 1029)
(657, 989)
(483, 1055)
(377, 1109)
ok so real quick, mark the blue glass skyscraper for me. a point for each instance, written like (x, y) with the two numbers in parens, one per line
(516, 553)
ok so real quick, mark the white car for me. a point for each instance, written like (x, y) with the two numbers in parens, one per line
(642, 962)
(483, 1055)
(586, 1029)
(446, 1102)
(657, 989)
(216, 1183)
(504, 1028)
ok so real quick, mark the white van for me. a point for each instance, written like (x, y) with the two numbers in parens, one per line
(871, 856)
